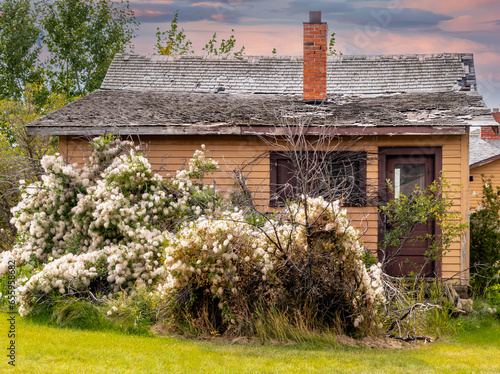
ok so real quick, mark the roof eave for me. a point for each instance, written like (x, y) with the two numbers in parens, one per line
(482, 121)
(228, 129)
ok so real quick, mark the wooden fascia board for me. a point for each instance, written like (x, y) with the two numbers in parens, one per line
(137, 130)
(223, 129)
(484, 162)
(358, 130)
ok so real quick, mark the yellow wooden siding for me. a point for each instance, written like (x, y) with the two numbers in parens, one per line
(465, 211)
(169, 153)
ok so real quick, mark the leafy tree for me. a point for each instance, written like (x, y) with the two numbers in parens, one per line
(82, 37)
(225, 47)
(19, 48)
(173, 41)
(21, 153)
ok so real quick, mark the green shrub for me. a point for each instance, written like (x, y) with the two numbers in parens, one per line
(403, 215)
(485, 240)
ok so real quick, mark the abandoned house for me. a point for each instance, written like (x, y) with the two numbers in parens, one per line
(403, 117)
(484, 158)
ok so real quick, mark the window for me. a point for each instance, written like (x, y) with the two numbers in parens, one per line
(333, 175)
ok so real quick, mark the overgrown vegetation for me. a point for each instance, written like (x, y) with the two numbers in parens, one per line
(416, 306)
(114, 244)
(90, 233)
(175, 42)
(21, 154)
(485, 240)
(114, 231)
(80, 39)
(230, 269)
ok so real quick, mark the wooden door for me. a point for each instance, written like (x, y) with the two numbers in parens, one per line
(406, 173)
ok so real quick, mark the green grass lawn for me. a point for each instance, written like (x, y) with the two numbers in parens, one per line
(43, 349)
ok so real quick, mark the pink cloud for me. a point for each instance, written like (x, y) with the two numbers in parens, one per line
(488, 77)
(487, 64)
(450, 7)
(388, 43)
(490, 58)
(221, 17)
(471, 23)
(207, 4)
(258, 41)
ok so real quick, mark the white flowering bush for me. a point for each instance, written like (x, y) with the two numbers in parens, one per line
(226, 267)
(98, 230)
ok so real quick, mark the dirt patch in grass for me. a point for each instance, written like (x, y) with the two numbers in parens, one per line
(374, 342)
(163, 330)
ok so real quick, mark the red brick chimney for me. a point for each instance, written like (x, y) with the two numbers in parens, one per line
(315, 48)
(488, 132)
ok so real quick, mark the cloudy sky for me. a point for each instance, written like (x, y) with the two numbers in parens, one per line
(361, 27)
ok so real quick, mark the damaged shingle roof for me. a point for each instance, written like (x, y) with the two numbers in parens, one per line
(347, 75)
(151, 110)
(202, 95)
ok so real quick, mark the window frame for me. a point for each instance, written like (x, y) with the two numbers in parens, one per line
(360, 175)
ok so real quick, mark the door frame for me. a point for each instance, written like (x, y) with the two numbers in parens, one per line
(383, 154)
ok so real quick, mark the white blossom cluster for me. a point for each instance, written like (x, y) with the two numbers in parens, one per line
(43, 218)
(105, 222)
(198, 165)
(64, 275)
(215, 252)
